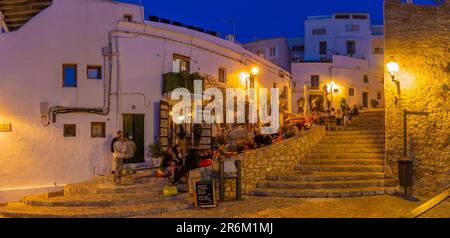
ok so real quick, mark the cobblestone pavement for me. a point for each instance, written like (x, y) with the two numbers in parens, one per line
(271, 207)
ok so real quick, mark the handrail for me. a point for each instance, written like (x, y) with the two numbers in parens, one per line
(428, 205)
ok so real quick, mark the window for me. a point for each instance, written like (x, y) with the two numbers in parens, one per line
(351, 47)
(181, 63)
(378, 51)
(260, 52)
(285, 92)
(342, 16)
(222, 75)
(315, 81)
(70, 130)
(98, 129)
(128, 17)
(351, 27)
(323, 48)
(272, 52)
(298, 48)
(379, 96)
(366, 78)
(94, 72)
(351, 92)
(362, 17)
(320, 31)
(69, 75)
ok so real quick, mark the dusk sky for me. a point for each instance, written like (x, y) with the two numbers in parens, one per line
(256, 19)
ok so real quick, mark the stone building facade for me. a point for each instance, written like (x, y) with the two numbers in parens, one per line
(418, 37)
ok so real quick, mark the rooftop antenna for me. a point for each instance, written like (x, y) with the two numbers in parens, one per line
(142, 11)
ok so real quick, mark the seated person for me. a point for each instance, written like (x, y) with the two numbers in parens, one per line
(355, 110)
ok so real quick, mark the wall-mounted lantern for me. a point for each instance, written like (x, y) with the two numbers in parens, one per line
(393, 68)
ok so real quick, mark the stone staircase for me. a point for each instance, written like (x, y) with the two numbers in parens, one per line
(346, 163)
(139, 194)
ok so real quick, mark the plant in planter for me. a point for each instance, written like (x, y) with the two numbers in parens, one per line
(171, 81)
(157, 155)
(374, 103)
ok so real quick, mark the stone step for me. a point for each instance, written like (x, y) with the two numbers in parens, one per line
(345, 150)
(349, 137)
(111, 188)
(321, 184)
(361, 128)
(329, 140)
(344, 145)
(323, 193)
(379, 161)
(141, 176)
(321, 155)
(323, 176)
(339, 168)
(365, 121)
(357, 132)
(20, 210)
(371, 114)
(101, 200)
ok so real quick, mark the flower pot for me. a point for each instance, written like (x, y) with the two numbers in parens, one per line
(157, 161)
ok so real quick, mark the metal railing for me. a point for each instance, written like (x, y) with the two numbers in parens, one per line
(428, 205)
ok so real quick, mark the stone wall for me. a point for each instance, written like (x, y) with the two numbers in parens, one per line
(257, 164)
(418, 37)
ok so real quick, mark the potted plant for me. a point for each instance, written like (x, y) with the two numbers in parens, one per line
(157, 155)
(373, 103)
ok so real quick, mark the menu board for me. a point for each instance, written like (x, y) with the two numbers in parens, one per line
(204, 195)
(164, 125)
(205, 141)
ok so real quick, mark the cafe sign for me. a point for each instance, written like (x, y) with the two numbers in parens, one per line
(5, 127)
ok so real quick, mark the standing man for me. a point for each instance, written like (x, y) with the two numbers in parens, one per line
(131, 150)
(119, 154)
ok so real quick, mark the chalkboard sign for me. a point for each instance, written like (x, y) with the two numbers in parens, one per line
(205, 194)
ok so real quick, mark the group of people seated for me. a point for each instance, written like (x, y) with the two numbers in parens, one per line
(176, 164)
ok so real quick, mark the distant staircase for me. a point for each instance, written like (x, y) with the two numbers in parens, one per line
(346, 163)
(139, 195)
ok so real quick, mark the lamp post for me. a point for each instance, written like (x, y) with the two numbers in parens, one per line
(331, 91)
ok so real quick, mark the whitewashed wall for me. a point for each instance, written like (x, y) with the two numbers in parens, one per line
(33, 156)
(346, 72)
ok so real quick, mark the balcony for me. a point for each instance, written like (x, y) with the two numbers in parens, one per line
(315, 88)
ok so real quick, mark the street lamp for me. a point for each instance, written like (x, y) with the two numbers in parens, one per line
(331, 92)
(393, 68)
(255, 71)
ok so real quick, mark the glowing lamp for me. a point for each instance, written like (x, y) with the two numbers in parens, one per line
(393, 68)
(255, 70)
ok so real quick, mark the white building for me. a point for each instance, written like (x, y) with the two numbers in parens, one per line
(80, 70)
(281, 51)
(276, 50)
(345, 49)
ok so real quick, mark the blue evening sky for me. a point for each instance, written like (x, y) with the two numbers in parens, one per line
(256, 19)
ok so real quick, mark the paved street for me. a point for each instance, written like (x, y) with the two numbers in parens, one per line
(270, 207)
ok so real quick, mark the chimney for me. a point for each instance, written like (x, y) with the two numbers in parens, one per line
(230, 37)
